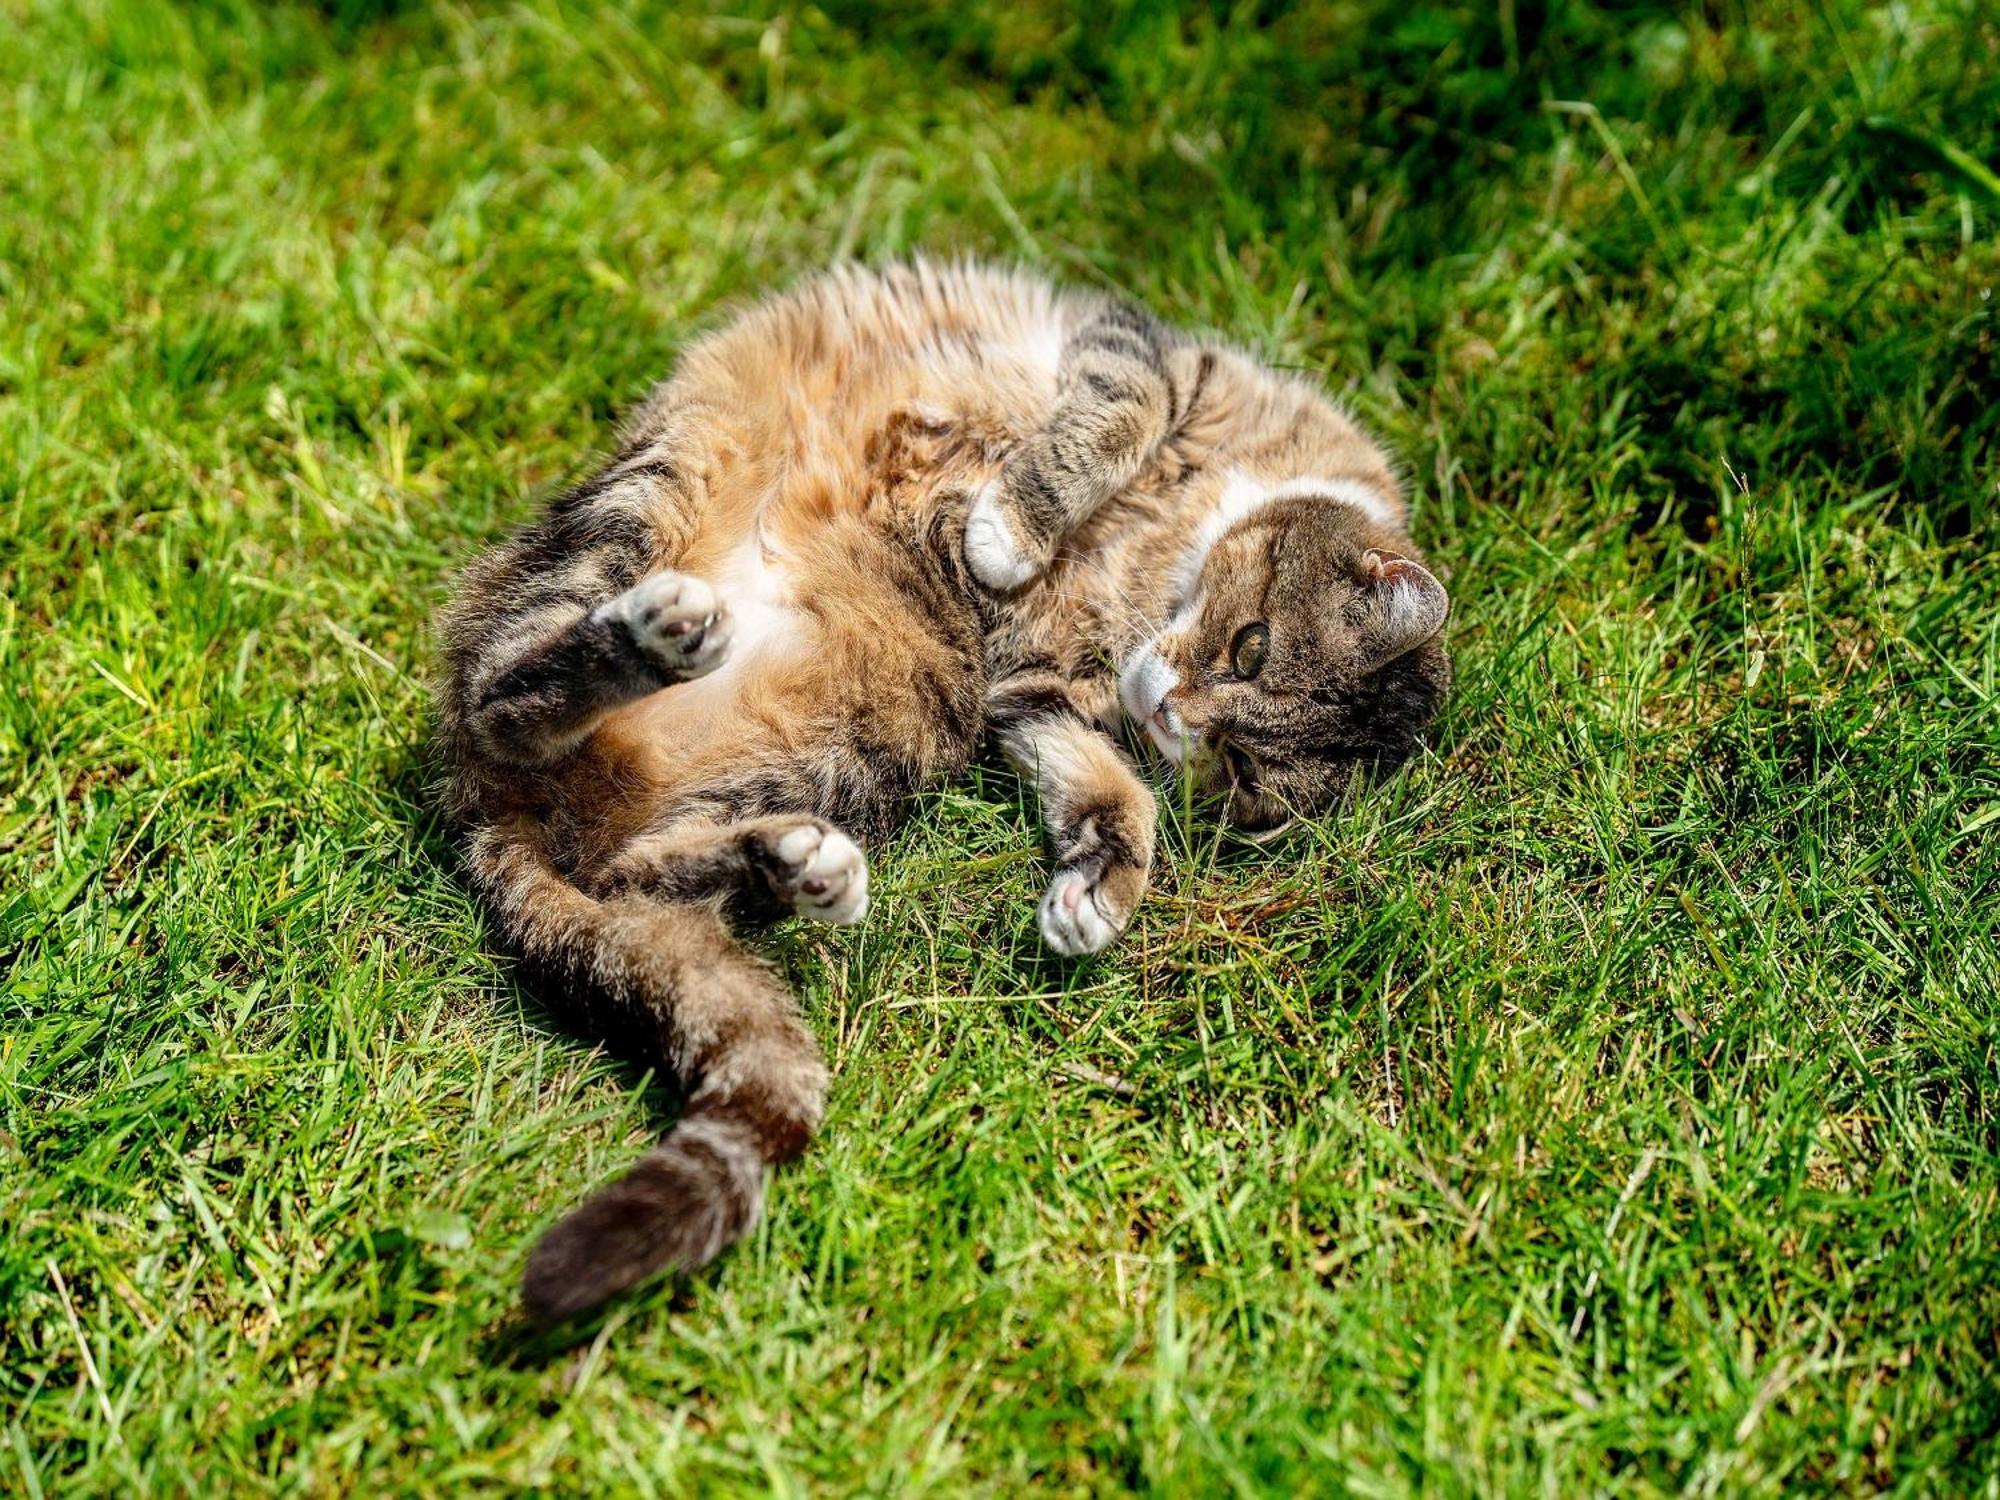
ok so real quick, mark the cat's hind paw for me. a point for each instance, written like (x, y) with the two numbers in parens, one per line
(819, 872)
(675, 621)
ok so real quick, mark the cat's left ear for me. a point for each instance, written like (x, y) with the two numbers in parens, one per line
(1410, 606)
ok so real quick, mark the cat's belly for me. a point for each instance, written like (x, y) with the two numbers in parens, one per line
(854, 673)
(755, 584)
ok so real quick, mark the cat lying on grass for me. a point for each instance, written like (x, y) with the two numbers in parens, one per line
(866, 525)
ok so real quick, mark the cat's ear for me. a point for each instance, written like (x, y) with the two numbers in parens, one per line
(1410, 606)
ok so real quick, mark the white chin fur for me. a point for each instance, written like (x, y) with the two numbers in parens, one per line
(1142, 690)
(990, 549)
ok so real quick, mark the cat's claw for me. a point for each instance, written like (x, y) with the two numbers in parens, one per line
(821, 872)
(676, 621)
(991, 550)
(1077, 915)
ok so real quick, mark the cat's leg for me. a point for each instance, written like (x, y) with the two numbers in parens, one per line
(761, 868)
(559, 680)
(574, 617)
(754, 1080)
(1099, 815)
(1115, 402)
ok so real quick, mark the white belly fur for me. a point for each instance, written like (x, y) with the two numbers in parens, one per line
(753, 585)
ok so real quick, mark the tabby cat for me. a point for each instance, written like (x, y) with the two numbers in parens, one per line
(865, 525)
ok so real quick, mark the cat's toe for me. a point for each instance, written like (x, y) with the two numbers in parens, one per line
(992, 550)
(676, 621)
(822, 873)
(1074, 920)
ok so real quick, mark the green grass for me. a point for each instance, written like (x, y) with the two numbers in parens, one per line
(1610, 1102)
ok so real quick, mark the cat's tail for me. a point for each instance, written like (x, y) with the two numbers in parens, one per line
(755, 1082)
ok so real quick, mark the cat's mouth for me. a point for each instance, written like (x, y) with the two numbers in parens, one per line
(1142, 691)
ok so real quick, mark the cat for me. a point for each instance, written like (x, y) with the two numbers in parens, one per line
(867, 525)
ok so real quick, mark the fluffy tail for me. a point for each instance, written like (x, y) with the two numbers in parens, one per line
(756, 1084)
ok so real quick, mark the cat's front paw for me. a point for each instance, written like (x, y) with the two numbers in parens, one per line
(818, 871)
(1087, 907)
(676, 623)
(993, 548)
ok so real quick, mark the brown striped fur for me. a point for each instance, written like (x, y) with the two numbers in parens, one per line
(865, 525)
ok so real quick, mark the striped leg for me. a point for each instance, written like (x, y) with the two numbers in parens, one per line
(1099, 815)
(574, 617)
(759, 868)
(1114, 405)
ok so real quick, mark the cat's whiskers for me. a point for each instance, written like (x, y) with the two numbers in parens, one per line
(1140, 615)
(1134, 617)
(1109, 579)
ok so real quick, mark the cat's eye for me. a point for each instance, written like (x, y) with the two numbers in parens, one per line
(1242, 769)
(1246, 655)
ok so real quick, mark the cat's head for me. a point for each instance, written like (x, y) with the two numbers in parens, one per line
(1298, 656)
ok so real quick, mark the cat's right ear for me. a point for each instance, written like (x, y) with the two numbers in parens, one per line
(1408, 604)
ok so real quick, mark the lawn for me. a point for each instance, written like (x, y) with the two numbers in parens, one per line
(1608, 1102)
